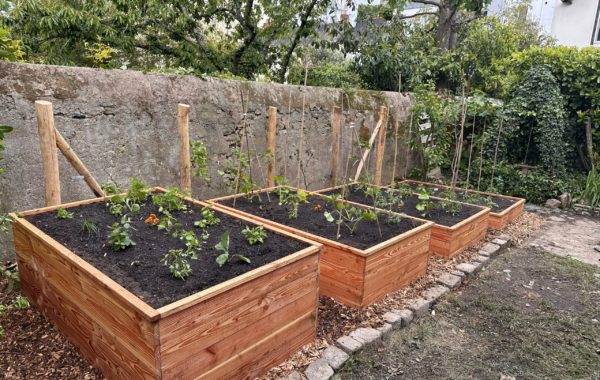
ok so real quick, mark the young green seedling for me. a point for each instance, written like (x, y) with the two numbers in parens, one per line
(208, 218)
(223, 246)
(347, 215)
(138, 192)
(448, 203)
(172, 200)
(255, 235)
(199, 159)
(119, 237)
(88, 226)
(291, 199)
(61, 213)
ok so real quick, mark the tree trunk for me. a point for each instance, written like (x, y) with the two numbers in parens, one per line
(445, 27)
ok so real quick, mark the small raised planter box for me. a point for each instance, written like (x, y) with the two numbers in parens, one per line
(233, 329)
(450, 235)
(506, 210)
(356, 269)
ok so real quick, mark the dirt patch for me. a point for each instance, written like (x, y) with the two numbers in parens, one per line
(531, 315)
(311, 218)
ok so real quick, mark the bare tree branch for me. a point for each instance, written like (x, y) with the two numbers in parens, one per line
(417, 15)
(427, 2)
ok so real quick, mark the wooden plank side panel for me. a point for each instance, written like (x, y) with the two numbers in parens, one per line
(211, 332)
(342, 275)
(267, 352)
(113, 336)
(395, 267)
(447, 242)
(516, 211)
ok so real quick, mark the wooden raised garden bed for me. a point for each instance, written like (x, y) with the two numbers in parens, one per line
(357, 269)
(450, 235)
(504, 209)
(237, 328)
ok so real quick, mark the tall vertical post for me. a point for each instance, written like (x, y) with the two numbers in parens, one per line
(336, 127)
(271, 138)
(45, 124)
(380, 144)
(185, 170)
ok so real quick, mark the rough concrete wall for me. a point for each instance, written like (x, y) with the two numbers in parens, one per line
(124, 124)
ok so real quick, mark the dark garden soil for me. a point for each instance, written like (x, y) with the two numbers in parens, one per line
(138, 268)
(501, 203)
(437, 214)
(311, 219)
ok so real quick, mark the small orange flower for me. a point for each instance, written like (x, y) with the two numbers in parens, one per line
(152, 220)
(318, 207)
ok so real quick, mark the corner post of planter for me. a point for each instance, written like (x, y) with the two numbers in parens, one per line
(45, 124)
(271, 140)
(336, 126)
(380, 144)
(185, 170)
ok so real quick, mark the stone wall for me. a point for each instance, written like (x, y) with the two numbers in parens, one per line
(124, 123)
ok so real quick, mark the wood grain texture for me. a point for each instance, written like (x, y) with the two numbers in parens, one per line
(49, 155)
(380, 149)
(185, 168)
(336, 128)
(237, 329)
(498, 220)
(358, 277)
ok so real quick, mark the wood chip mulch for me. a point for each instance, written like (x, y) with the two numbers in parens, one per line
(33, 349)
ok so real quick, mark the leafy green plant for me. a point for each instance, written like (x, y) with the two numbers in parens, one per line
(449, 203)
(223, 246)
(290, 198)
(61, 213)
(345, 214)
(171, 200)
(255, 235)
(199, 159)
(208, 218)
(11, 274)
(19, 302)
(4, 129)
(5, 221)
(88, 226)
(425, 204)
(167, 222)
(178, 264)
(119, 237)
(478, 199)
(110, 188)
(137, 192)
(235, 175)
(591, 193)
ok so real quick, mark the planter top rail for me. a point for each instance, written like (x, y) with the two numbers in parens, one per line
(150, 313)
(425, 224)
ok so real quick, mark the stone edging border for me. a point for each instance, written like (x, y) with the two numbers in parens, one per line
(334, 357)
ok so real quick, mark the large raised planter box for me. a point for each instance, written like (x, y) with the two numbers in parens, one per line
(446, 240)
(236, 329)
(351, 275)
(507, 209)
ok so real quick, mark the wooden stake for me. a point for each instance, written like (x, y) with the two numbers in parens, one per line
(77, 164)
(363, 159)
(481, 154)
(496, 151)
(45, 124)
(185, 170)
(380, 145)
(336, 126)
(271, 138)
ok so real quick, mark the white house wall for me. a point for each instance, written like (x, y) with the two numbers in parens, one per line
(573, 24)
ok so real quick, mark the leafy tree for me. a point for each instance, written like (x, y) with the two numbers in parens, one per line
(10, 49)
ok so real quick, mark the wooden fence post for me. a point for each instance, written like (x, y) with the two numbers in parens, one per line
(45, 124)
(336, 126)
(185, 171)
(271, 139)
(380, 144)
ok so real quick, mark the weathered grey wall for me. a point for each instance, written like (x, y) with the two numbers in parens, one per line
(124, 124)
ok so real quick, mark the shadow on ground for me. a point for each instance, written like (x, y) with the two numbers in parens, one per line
(531, 315)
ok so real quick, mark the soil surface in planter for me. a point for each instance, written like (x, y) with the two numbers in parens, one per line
(311, 219)
(437, 214)
(501, 203)
(138, 268)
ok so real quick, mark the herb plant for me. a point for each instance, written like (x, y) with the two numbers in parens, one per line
(347, 215)
(208, 218)
(291, 199)
(138, 192)
(255, 235)
(178, 264)
(88, 226)
(223, 246)
(449, 202)
(425, 204)
(5, 221)
(167, 222)
(61, 213)
(171, 200)
(119, 237)
(199, 159)
(235, 174)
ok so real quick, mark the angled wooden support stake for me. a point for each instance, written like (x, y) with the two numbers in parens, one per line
(45, 124)
(185, 170)
(271, 139)
(380, 150)
(336, 127)
(77, 164)
(375, 134)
